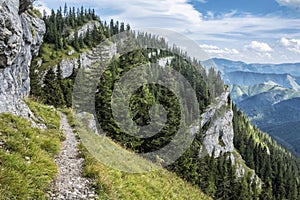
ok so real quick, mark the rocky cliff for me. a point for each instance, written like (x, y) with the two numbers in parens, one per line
(218, 136)
(21, 35)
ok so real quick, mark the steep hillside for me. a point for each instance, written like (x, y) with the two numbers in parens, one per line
(27, 154)
(28, 147)
(279, 120)
(27, 165)
(112, 183)
(215, 162)
(288, 138)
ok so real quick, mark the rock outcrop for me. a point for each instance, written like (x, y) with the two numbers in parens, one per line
(84, 29)
(219, 134)
(85, 59)
(21, 35)
(218, 138)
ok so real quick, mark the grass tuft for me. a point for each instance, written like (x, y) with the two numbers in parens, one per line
(27, 164)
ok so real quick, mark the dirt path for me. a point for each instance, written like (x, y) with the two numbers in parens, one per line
(69, 183)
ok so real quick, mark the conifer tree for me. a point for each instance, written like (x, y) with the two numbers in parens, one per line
(52, 92)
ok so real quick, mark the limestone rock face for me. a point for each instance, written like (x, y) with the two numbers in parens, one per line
(21, 36)
(218, 138)
(85, 60)
(67, 66)
(84, 29)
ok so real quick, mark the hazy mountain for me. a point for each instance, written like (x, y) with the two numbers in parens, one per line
(268, 94)
(272, 93)
(253, 78)
(226, 66)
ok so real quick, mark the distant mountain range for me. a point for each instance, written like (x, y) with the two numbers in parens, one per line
(226, 66)
(254, 78)
(269, 94)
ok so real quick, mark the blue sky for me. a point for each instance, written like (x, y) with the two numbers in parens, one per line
(256, 31)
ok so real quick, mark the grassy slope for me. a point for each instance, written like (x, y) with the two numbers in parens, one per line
(27, 154)
(114, 184)
(27, 165)
(161, 184)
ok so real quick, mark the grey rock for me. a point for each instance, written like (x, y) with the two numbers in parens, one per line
(218, 138)
(83, 30)
(24, 5)
(89, 120)
(67, 66)
(21, 36)
(85, 60)
(11, 33)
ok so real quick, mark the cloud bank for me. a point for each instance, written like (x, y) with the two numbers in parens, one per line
(289, 3)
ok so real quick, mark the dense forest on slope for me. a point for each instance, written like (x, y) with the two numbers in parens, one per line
(276, 167)
(62, 40)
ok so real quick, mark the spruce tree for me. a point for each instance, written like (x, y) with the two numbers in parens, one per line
(52, 92)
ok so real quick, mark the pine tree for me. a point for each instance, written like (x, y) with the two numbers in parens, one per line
(76, 42)
(65, 10)
(52, 92)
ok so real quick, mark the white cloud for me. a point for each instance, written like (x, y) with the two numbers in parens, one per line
(210, 15)
(260, 52)
(217, 51)
(292, 45)
(289, 3)
(259, 46)
(144, 13)
(285, 42)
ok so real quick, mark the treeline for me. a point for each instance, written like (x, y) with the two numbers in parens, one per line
(56, 90)
(278, 169)
(215, 177)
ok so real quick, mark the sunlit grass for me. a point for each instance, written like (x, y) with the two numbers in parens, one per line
(27, 164)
